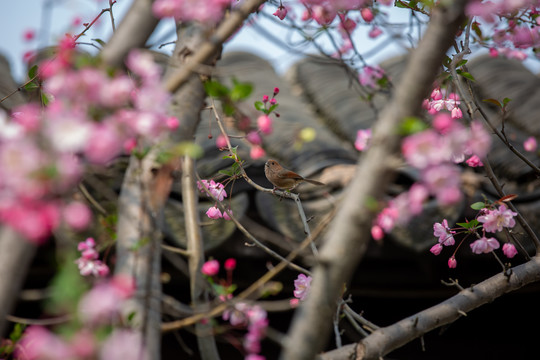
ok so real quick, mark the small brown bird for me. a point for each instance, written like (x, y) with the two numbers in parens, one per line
(282, 178)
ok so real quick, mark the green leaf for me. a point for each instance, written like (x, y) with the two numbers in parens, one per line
(228, 108)
(467, 75)
(478, 205)
(216, 89)
(99, 41)
(259, 105)
(44, 99)
(17, 332)
(506, 101)
(411, 125)
(469, 225)
(31, 86)
(241, 91)
(66, 287)
(32, 72)
(272, 108)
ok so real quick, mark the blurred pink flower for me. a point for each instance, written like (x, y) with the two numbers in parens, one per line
(210, 268)
(264, 123)
(77, 215)
(484, 245)
(301, 286)
(530, 144)
(39, 343)
(124, 344)
(363, 139)
(509, 250)
(281, 12)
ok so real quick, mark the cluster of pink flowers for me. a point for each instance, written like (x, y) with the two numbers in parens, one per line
(90, 118)
(255, 318)
(100, 306)
(209, 11)
(435, 153)
(492, 219)
(89, 263)
(515, 26)
(370, 76)
(217, 192)
(440, 101)
(325, 11)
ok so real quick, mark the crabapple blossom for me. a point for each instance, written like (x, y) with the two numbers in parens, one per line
(221, 141)
(509, 250)
(495, 220)
(264, 123)
(452, 263)
(367, 14)
(301, 286)
(210, 11)
(484, 245)
(216, 189)
(39, 343)
(474, 161)
(210, 268)
(436, 249)
(77, 215)
(256, 152)
(104, 302)
(530, 144)
(214, 213)
(281, 12)
(88, 263)
(374, 32)
(363, 137)
(230, 264)
(124, 344)
(444, 233)
(370, 75)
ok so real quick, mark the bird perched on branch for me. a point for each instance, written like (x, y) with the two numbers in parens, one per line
(283, 178)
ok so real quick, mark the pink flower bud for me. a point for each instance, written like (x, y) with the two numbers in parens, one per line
(213, 213)
(230, 264)
(281, 12)
(452, 263)
(436, 249)
(367, 15)
(221, 141)
(210, 268)
(254, 138)
(530, 144)
(265, 99)
(77, 215)
(264, 124)
(276, 91)
(377, 232)
(173, 123)
(256, 152)
(509, 250)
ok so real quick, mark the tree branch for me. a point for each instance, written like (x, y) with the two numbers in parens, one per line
(387, 339)
(350, 230)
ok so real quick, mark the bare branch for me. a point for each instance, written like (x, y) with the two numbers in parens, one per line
(392, 337)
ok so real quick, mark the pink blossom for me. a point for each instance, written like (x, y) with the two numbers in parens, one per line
(254, 138)
(374, 32)
(77, 215)
(423, 149)
(495, 220)
(142, 64)
(29, 34)
(281, 12)
(104, 302)
(301, 286)
(88, 263)
(276, 91)
(479, 141)
(436, 249)
(452, 263)
(509, 250)
(226, 215)
(377, 232)
(456, 113)
(484, 245)
(33, 219)
(124, 344)
(530, 144)
(444, 233)
(216, 189)
(363, 137)
(370, 75)
(210, 11)
(210, 268)
(256, 152)
(214, 213)
(264, 123)
(39, 343)
(387, 218)
(103, 144)
(474, 161)
(221, 141)
(237, 315)
(443, 181)
(367, 15)
(230, 264)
